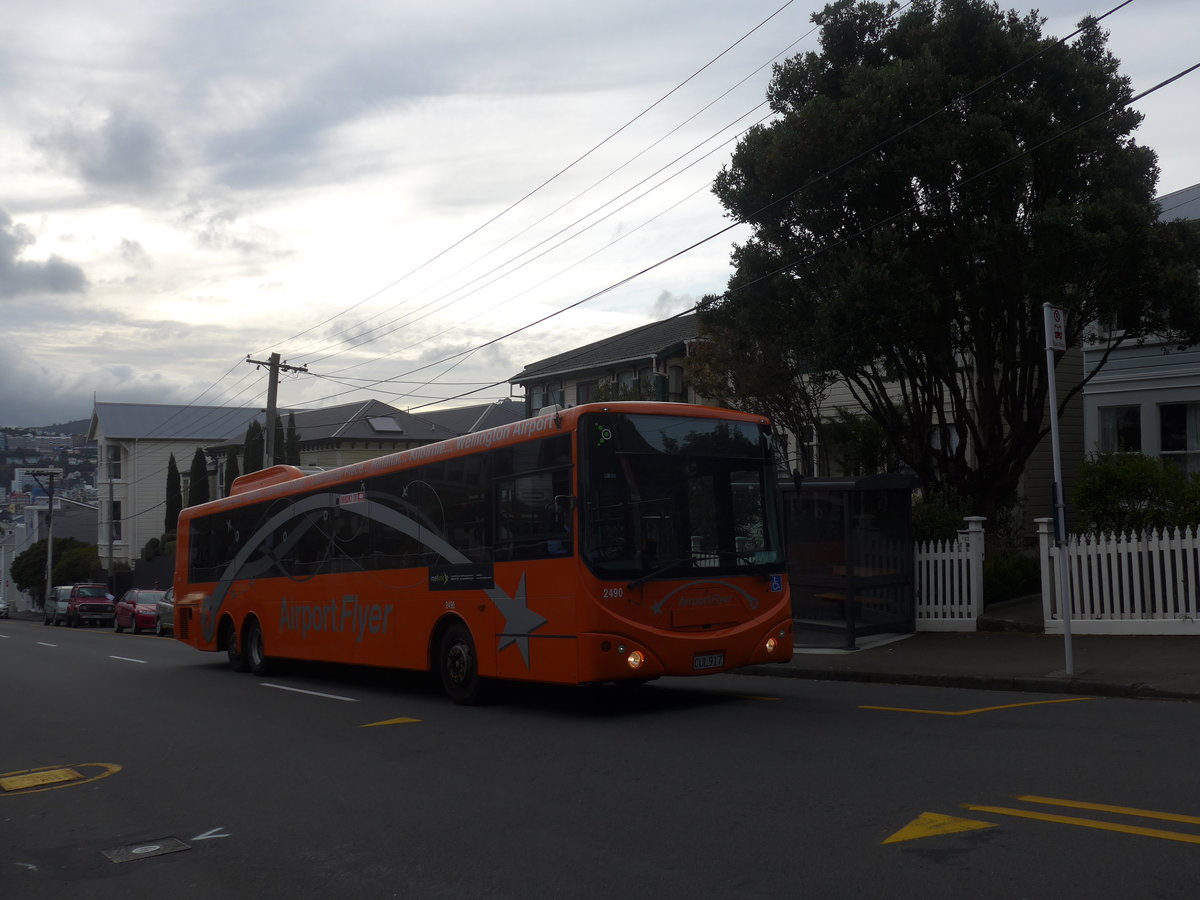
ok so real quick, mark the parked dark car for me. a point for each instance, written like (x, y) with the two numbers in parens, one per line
(164, 623)
(137, 609)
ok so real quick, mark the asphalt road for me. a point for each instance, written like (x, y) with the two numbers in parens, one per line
(133, 766)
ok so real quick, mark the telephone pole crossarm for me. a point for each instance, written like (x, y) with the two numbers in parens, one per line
(274, 367)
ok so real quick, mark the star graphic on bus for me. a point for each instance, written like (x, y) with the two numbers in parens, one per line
(519, 620)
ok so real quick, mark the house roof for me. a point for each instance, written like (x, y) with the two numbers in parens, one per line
(1184, 204)
(370, 420)
(636, 344)
(168, 422)
(477, 417)
(365, 420)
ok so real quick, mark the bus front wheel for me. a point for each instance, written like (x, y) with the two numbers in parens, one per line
(458, 665)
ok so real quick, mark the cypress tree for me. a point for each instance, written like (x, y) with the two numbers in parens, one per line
(174, 496)
(198, 483)
(231, 472)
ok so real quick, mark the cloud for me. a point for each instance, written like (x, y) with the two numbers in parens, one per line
(21, 277)
(126, 152)
(668, 304)
(134, 254)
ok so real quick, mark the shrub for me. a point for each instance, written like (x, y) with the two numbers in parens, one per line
(937, 515)
(1008, 574)
(1130, 493)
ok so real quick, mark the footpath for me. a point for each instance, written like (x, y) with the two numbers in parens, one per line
(1016, 658)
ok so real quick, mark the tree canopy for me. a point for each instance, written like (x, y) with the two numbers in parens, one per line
(932, 177)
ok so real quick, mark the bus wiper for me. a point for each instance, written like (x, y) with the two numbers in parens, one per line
(755, 566)
(661, 570)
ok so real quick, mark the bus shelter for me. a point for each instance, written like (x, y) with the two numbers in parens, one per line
(850, 554)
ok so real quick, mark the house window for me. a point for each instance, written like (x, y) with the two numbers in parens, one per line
(1179, 435)
(548, 395)
(676, 392)
(1120, 429)
(114, 521)
(114, 462)
(585, 392)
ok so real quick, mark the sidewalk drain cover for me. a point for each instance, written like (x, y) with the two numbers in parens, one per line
(146, 849)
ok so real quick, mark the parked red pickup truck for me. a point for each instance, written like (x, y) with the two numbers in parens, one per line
(90, 604)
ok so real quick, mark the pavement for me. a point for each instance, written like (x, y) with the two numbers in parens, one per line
(1009, 653)
(1012, 654)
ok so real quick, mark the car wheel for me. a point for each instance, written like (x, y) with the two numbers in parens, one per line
(233, 649)
(458, 666)
(117, 627)
(133, 625)
(256, 654)
(158, 629)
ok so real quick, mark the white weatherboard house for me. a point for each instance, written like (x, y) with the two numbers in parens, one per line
(134, 444)
(1147, 397)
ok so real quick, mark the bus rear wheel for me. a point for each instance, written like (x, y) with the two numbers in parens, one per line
(233, 648)
(256, 656)
(458, 666)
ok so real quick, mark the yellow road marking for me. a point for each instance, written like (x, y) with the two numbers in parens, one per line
(37, 779)
(52, 778)
(930, 824)
(401, 721)
(971, 712)
(1088, 823)
(1105, 807)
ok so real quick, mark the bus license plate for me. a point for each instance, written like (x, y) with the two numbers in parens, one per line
(708, 661)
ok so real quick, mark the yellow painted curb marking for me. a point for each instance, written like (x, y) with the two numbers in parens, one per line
(52, 778)
(401, 721)
(930, 824)
(1088, 823)
(37, 779)
(971, 712)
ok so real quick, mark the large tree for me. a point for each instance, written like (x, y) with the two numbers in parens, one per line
(933, 176)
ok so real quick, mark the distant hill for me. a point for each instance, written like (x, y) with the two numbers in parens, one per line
(79, 426)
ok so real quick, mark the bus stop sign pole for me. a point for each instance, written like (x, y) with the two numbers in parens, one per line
(1056, 339)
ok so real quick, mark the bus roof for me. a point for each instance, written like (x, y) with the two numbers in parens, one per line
(278, 480)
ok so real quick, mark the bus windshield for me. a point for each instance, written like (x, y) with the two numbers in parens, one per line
(672, 497)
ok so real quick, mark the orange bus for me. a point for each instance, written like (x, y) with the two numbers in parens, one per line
(607, 542)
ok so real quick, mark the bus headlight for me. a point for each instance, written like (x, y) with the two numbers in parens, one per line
(771, 644)
(635, 659)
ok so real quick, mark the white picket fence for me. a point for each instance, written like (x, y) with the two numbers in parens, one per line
(949, 581)
(1123, 584)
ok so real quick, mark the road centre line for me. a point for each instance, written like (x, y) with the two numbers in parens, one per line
(281, 687)
(1105, 807)
(129, 659)
(971, 712)
(1087, 823)
(44, 644)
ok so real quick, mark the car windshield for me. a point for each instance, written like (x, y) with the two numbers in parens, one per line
(92, 592)
(675, 496)
(149, 598)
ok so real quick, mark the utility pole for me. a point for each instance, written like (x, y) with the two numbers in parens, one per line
(37, 473)
(274, 367)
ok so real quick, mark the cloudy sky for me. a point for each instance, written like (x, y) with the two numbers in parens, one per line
(381, 190)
